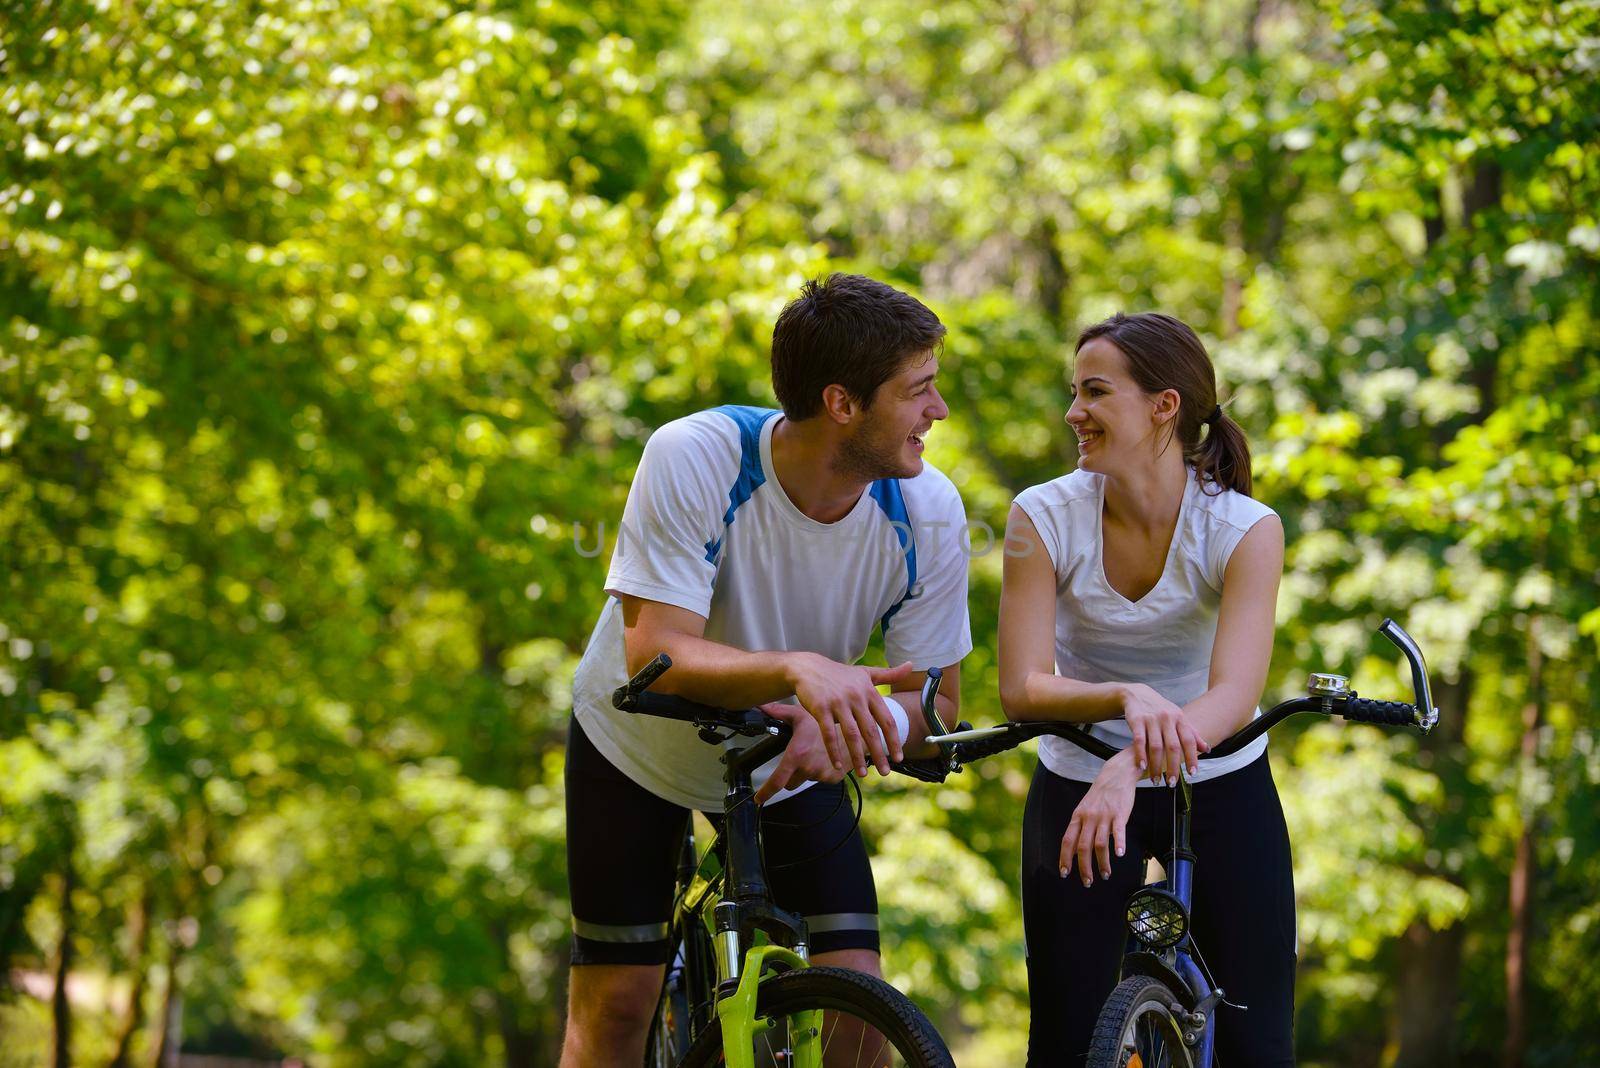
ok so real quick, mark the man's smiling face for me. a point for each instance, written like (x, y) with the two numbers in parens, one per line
(888, 440)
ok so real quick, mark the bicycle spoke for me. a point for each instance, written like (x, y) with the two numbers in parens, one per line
(1155, 1044)
(1149, 1043)
(836, 1038)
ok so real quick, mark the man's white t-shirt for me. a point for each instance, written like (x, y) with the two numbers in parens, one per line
(1164, 639)
(708, 528)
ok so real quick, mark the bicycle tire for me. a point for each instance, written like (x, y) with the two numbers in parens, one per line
(673, 1027)
(669, 1030)
(1140, 1026)
(838, 991)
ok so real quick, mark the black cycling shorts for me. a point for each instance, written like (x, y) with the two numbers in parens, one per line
(623, 844)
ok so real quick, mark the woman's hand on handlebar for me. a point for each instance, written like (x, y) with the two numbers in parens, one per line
(1164, 743)
(1099, 824)
(804, 759)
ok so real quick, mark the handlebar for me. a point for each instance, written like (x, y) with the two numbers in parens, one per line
(1327, 694)
(635, 697)
(642, 681)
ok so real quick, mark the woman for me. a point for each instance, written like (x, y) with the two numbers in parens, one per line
(1139, 596)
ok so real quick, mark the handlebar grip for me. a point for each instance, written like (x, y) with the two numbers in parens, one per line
(930, 708)
(643, 680)
(966, 752)
(1383, 713)
(662, 705)
(925, 769)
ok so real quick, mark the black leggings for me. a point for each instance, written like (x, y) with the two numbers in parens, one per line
(1243, 914)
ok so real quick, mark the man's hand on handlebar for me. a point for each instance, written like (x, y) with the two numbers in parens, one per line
(1164, 743)
(853, 717)
(805, 759)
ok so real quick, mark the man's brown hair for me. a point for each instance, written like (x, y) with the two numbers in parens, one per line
(847, 330)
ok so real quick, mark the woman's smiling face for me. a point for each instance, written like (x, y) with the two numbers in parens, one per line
(1114, 419)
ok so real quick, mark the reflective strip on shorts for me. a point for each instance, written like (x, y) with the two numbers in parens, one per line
(619, 932)
(829, 922)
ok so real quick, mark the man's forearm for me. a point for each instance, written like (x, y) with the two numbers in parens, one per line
(719, 675)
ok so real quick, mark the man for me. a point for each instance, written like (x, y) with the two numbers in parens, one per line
(759, 549)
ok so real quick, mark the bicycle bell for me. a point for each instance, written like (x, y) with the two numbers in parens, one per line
(1321, 685)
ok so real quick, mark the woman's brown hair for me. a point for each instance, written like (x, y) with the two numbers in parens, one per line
(1163, 353)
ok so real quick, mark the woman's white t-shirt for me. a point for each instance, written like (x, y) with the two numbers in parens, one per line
(1164, 639)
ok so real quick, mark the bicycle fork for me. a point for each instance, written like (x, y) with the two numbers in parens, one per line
(740, 973)
(1199, 1031)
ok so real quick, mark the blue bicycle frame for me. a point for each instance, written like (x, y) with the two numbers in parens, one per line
(1180, 878)
(1177, 966)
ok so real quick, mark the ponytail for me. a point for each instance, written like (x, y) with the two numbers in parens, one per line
(1222, 455)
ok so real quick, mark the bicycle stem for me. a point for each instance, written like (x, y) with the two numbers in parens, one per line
(746, 878)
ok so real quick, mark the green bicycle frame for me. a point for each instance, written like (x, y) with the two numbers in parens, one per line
(737, 1014)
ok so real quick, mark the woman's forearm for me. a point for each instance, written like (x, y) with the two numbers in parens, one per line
(1046, 695)
(1220, 712)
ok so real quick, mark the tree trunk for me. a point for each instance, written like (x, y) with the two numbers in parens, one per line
(1429, 959)
(1484, 191)
(139, 937)
(521, 1045)
(1052, 276)
(60, 1007)
(13, 910)
(1481, 192)
(1517, 953)
(1252, 29)
(1232, 284)
(1522, 869)
(165, 1054)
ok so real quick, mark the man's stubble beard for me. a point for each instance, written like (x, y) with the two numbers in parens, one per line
(869, 458)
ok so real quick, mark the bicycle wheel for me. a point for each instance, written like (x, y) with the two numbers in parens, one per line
(1141, 1026)
(669, 1031)
(686, 1002)
(866, 1023)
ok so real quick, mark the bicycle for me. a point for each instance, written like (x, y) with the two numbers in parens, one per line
(1161, 1012)
(740, 989)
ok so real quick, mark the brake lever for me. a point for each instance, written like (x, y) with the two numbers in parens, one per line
(930, 704)
(949, 758)
(1421, 691)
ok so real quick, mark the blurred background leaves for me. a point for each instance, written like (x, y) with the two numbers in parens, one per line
(332, 331)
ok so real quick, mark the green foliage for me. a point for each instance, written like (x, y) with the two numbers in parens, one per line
(332, 331)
